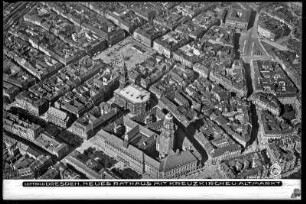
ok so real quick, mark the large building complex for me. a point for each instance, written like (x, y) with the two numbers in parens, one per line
(151, 90)
(135, 146)
(238, 18)
(133, 98)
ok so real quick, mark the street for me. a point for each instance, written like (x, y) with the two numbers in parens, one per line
(17, 13)
(207, 171)
(17, 7)
(249, 41)
(277, 45)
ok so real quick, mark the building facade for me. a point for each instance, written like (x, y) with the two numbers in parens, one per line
(133, 98)
(59, 117)
(263, 32)
(165, 141)
(143, 37)
(84, 127)
(31, 103)
(237, 18)
(13, 124)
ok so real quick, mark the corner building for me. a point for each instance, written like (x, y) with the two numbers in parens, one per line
(133, 98)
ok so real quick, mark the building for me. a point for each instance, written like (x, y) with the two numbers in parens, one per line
(51, 173)
(271, 78)
(178, 164)
(128, 20)
(10, 90)
(270, 27)
(146, 10)
(274, 127)
(194, 31)
(237, 18)
(33, 133)
(40, 165)
(130, 143)
(72, 159)
(165, 141)
(133, 98)
(18, 126)
(189, 54)
(29, 102)
(149, 32)
(265, 32)
(170, 18)
(24, 173)
(286, 160)
(253, 165)
(97, 46)
(59, 117)
(40, 68)
(164, 102)
(207, 19)
(54, 147)
(201, 69)
(124, 79)
(13, 74)
(219, 148)
(135, 146)
(152, 119)
(170, 42)
(267, 102)
(220, 36)
(84, 127)
(231, 85)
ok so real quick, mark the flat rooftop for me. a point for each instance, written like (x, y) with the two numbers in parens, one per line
(135, 93)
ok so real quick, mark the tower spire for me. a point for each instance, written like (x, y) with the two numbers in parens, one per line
(165, 141)
(124, 74)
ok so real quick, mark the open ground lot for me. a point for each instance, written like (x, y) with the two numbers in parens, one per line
(133, 52)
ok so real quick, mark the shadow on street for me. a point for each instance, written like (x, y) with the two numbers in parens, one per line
(252, 19)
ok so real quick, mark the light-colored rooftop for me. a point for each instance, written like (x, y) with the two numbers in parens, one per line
(135, 94)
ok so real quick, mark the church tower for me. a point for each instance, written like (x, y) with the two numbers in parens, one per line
(165, 141)
(124, 79)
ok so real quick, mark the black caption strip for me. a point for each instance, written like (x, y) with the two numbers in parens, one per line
(147, 183)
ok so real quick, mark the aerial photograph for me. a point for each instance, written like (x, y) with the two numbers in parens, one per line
(151, 90)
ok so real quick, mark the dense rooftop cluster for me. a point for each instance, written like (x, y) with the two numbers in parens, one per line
(151, 70)
(147, 33)
(102, 7)
(13, 74)
(206, 19)
(281, 11)
(275, 126)
(271, 77)
(171, 18)
(274, 26)
(220, 35)
(217, 143)
(130, 90)
(30, 58)
(253, 165)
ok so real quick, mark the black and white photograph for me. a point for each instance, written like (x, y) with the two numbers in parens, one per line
(152, 100)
